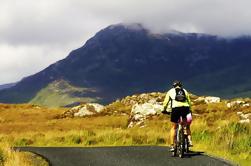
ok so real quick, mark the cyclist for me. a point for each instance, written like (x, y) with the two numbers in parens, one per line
(177, 100)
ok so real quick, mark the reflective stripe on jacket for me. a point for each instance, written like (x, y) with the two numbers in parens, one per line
(172, 103)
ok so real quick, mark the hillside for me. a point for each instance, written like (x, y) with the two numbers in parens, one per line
(61, 93)
(121, 60)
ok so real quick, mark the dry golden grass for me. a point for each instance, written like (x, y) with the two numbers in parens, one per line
(215, 130)
(28, 118)
(9, 157)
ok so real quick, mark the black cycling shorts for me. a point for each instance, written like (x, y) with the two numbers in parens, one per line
(177, 112)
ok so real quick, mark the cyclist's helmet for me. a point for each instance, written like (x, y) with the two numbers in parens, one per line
(177, 83)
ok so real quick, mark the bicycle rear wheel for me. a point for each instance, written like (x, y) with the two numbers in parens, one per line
(174, 153)
(181, 151)
(186, 147)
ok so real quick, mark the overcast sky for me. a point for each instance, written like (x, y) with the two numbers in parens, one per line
(37, 33)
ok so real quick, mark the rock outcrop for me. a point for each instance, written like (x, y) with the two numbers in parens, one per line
(244, 118)
(238, 103)
(205, 99)
(141, 112)
(143, 106)
(212, 99)
(154, 97)
(83, 110)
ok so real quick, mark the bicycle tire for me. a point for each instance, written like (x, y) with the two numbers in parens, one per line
(174, 153)
(187, 144)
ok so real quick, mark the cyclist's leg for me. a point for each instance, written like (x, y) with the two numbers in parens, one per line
(189, 121)
(173, 134)
(189, 137)
(175, 114)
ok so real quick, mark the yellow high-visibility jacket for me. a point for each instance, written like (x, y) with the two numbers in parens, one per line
(170, 101)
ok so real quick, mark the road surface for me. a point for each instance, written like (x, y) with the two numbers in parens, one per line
(120, 156)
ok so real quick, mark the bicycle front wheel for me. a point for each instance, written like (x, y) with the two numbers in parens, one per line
(181, 143)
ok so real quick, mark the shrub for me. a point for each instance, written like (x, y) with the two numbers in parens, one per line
(139, 139)
(91, 142)
(59, 139)
(23, 142)
(161, 140)
(75, 139)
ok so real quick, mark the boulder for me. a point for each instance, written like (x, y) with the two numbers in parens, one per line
(237, 103)
(147, 109)
(212, 99)
(141, 112)
(88, 109)
(208, 99)
(245, 118)
(200, 99)
(154, 97)
(83, 110)
(245, 121)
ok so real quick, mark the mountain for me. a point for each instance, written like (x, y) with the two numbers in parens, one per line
(6, 86)
(121, 60)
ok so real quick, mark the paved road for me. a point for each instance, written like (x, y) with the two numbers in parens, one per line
(120, 156)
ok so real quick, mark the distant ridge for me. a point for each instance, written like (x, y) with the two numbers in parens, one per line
(6, 86)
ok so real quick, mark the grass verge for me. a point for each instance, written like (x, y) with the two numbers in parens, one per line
(9, 157)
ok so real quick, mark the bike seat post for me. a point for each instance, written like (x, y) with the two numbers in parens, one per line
(184, 124)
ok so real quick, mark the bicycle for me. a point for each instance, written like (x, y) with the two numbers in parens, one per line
(182, 144)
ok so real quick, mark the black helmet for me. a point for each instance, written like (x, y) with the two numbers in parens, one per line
(177, 83)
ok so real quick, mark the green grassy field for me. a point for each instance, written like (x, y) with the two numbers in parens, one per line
(61, 93)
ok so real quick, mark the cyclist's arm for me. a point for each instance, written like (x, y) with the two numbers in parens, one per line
(189, 100)
(166, 100)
